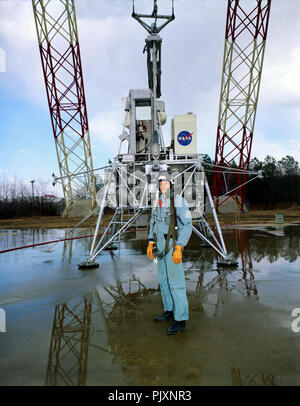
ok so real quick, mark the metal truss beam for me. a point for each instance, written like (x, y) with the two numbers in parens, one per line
(57, 32)
(245, 39)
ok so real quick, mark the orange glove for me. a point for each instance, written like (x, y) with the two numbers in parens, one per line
(150, 251)
(177, 254)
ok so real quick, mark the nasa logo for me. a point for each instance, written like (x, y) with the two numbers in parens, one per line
(184, 138)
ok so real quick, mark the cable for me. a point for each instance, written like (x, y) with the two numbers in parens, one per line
(236, 170)
(62, 239)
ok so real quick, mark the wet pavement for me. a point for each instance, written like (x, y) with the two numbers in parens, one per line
(66, 326)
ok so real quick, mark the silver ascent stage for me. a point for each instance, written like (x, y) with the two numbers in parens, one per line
(129, 182)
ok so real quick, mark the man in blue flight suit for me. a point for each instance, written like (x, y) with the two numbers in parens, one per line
(170, 231)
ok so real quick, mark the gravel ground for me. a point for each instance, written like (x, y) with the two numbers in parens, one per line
(254, 217)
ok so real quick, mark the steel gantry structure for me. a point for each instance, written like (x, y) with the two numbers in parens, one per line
(57, 32)
(245, 40)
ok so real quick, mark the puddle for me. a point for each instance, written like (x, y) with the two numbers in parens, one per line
(95, 327)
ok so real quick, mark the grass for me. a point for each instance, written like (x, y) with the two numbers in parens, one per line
(291, 215)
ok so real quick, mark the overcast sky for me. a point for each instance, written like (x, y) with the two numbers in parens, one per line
(111, 44)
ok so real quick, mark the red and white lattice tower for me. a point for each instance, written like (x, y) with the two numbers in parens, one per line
(61, 62)
(245, 39)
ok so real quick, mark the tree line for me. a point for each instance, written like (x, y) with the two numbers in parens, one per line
(18, 199)
(278, 187)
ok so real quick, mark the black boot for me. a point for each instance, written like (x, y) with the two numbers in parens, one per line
(176, 327)
(166, 316)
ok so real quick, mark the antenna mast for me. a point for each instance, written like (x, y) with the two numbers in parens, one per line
(153, 48)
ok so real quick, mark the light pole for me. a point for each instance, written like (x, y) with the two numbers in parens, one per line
(32, 182)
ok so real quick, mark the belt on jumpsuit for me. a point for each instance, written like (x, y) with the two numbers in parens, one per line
(160, 255)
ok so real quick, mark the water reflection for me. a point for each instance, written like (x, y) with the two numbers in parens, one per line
(263, 244)
(17, 237)
(238, 332)
(76, 323)
(68, 355)
(114, 320)
(274, 247)
(224, 281)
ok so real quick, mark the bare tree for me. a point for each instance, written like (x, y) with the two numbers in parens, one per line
(16, 198)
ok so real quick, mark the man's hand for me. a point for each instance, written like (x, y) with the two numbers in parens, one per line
(150, 250)
(177, 254)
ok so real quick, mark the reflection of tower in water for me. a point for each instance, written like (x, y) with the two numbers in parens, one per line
(68, 355)
(248, 277)
(74, 327)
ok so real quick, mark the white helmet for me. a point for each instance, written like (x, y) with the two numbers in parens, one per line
(164, 175)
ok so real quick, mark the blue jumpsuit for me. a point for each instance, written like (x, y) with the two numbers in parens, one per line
(170, 275)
